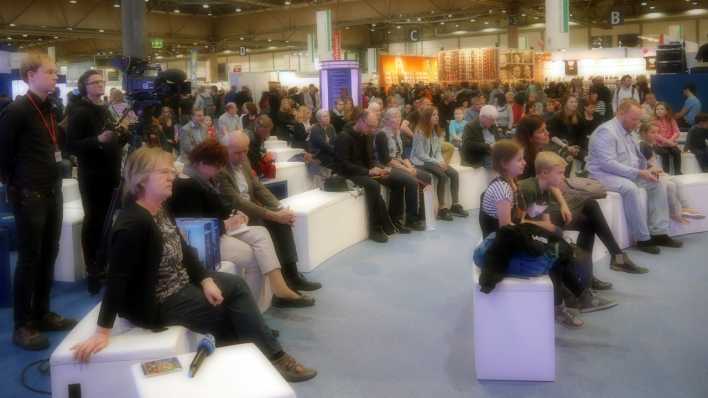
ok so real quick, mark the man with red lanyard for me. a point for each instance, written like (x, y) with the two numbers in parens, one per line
(29, 166)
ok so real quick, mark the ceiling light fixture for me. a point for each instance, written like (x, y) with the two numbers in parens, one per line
(24, 35)
(101, 30)
(473, 20)
(12, 25)
(176, 11)
(287, 2)
(116, 5)
(73, 1)
(238, 10)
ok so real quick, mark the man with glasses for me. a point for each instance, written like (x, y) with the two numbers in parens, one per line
(98, 150)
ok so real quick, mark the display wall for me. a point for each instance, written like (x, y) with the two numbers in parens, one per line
(407, 69)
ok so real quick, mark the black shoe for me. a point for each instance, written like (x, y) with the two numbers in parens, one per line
(378, 235)
(94, 284)
(30, 339)
(444, 214)
(53, 322)
(416, 225)
(458, 211)
(597, 284)
(666, 241)
(302, 301)
(301, 283)
(401, 229)
(623, 263)
(648, 246)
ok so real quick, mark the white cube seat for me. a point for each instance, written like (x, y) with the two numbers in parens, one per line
(689, 164)
(256, 281)
(70, 190)
(472, 182)
(108, 373)
(284, 154)
(69, 265)
(237, 371)
(296, 175)
(695, 189)
(275, 144)
(325, 224)
(514, 330)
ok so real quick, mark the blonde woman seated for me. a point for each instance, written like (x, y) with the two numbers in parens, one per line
(155, 280)
(197, 195)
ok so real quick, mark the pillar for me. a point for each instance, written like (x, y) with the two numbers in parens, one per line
(133, 27)
(557, 24)
(213, 68)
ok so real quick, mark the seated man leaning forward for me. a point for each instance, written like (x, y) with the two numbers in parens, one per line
(615, 160)
(244, 192)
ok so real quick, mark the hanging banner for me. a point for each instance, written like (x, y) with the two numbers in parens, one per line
(324, 34)
(337, 45)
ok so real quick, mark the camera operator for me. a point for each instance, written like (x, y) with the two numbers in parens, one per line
(29, 158)
(90, 137)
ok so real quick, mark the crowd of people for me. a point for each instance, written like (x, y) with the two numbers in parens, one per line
(531, 136)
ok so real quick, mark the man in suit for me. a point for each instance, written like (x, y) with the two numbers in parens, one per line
(615, 160)
(244, 192)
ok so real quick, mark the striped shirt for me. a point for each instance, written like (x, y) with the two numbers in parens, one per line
(497, 191)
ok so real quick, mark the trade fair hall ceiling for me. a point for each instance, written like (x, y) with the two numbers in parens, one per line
(81, 28)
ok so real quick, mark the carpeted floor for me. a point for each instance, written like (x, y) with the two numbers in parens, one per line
(395, 320)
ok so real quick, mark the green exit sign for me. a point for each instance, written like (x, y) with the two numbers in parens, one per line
(157, 43)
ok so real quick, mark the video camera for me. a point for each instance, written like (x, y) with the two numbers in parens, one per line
(149, 88)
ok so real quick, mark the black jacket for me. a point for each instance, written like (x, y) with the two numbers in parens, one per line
(696, 140)
(322, 144)
(571, 133)
(26, 150)
(354, 153)
(474, 149)
(191, 199)
(86, 121)
(134, 258)
(337, 121)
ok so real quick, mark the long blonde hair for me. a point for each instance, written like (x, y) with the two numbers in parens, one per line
(138, 167)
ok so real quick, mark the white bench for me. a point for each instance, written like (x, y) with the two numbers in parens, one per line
(256, 281)
(275, 144)
(284, 154)
(237, 371)
(325, 224)
(472, 182)
(69, 265)
(514, 330)
(108, 373)
(70, 190)
(296, 175)
(695, 189)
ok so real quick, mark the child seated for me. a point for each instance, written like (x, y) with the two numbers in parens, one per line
(678, 208)
(503, 208)
(457, 127)
(696, 141)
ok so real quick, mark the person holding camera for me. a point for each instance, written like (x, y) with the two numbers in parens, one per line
(29, 167)
(98, 147)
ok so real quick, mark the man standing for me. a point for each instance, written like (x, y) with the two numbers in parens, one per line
(246, 193)
(242, 97)
(98, 150)
(29, 166)
(691, 107)
(192, 133)
(625, 90)
(228, 122)
(614, 159)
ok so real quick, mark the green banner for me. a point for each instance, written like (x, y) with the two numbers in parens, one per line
(565, 23)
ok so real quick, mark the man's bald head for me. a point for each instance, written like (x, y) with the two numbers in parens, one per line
(238, 143)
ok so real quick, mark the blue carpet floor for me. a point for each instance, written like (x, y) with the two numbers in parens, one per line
(395, 320)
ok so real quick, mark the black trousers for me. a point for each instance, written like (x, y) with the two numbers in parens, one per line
(404, 186)
(284, 244)
(38, 217)
(702, 157)
(96, 194)
(237, 318)
(376, 206)
(669, 154)
(590, 222)
(443, 176)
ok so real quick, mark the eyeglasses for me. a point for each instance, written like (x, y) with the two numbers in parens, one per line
(95, 82)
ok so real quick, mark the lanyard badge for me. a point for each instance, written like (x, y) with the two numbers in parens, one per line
(50, 126)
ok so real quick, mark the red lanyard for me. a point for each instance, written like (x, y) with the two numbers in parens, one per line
(51, 127)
